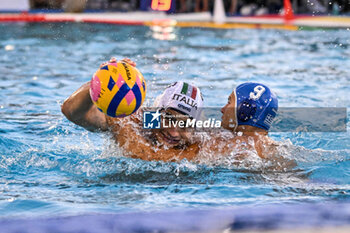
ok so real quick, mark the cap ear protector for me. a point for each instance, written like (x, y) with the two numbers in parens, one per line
(246, 110)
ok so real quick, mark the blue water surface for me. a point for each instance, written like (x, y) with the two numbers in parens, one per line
(50, 167)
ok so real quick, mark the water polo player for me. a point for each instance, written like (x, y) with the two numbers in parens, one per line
(251, 107)
(250, 110)
(248, 114)
(179, 100)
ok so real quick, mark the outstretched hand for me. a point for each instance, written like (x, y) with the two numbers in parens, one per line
(114, 60)
(129, 61)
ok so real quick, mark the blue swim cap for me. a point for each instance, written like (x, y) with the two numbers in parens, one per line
(256, 105)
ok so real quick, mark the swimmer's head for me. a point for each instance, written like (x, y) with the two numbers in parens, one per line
(252, 104)
(182, 97)
(179, 101)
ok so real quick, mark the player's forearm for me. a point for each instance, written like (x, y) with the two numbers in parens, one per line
(78, 104)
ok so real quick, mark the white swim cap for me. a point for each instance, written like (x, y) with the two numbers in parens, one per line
(182, 97)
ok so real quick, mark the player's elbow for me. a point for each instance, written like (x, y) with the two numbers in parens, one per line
(67, 112)
(92, 120)
(64, 109)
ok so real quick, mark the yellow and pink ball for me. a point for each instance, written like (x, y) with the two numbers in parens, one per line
(118, 89)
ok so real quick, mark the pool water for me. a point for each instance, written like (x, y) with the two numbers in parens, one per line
(50, 167)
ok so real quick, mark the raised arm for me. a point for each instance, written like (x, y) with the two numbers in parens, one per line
(79, 109)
